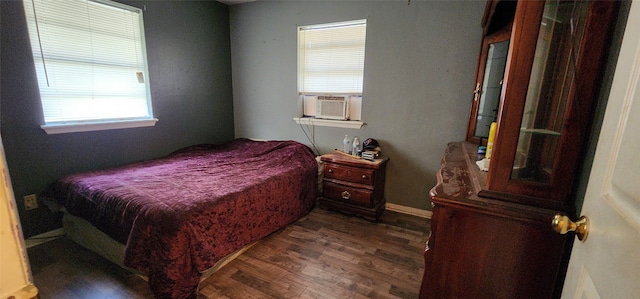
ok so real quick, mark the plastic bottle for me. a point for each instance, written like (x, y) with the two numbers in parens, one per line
(355, 147)
(492, 135)
(345, 144)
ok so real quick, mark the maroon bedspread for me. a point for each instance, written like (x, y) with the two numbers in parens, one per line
(180, 214)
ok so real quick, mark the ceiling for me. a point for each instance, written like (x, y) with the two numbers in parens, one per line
(232, 2)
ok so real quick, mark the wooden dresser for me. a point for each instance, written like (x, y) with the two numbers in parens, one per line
(354, 186)
(483, 247)
(497, 234)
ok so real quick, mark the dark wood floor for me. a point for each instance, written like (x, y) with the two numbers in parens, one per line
(323, 255)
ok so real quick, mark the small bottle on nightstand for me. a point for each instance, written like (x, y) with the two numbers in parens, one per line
(345, 144)
(355, 147)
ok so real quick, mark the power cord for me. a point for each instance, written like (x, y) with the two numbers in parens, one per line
(311, 128)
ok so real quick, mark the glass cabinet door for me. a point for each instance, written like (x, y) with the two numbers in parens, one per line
(491, 87)
(551, 83)
(492, 60)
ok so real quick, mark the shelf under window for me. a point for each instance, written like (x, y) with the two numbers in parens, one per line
(349, 124)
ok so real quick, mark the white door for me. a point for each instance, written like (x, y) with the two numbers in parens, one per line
(607, 265)
(15, 275)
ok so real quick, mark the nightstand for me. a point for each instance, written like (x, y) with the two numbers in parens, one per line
(353, 185)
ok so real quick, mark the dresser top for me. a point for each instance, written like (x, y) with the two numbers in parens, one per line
(342, 158)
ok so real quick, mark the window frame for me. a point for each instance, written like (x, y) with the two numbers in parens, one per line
(355, 123)
(100, 122)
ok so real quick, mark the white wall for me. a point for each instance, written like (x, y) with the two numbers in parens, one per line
(419, 71)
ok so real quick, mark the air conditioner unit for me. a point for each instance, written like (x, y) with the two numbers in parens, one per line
(332, 107)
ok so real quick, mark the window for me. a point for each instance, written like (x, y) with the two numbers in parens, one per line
(90, 60)
(331, 62)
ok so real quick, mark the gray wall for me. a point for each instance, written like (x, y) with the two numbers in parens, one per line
(419, 71)
(190, 78)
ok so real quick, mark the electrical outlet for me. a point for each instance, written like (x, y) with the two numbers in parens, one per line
(30, 202)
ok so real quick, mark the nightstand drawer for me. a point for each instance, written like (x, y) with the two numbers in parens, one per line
(349, 174)
(353, 186)
(362, 197)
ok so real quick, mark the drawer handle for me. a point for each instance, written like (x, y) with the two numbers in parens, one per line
(346, 195)
(330, 170)
(364, 176)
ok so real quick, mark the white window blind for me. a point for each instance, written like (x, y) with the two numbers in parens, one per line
(90, 60)
(331, 58)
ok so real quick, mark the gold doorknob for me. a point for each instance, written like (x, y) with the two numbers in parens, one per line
(562, 224)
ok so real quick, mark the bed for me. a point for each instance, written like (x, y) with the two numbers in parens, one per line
(179, 215)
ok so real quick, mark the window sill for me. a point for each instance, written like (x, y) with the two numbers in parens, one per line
(349, 124)
(98, 126)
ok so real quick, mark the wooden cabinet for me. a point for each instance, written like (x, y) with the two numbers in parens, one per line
(353, 185)
(482, 247)
(491, 231)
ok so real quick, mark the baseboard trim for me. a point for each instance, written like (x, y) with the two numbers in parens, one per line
(409, 210)
(44, 237)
